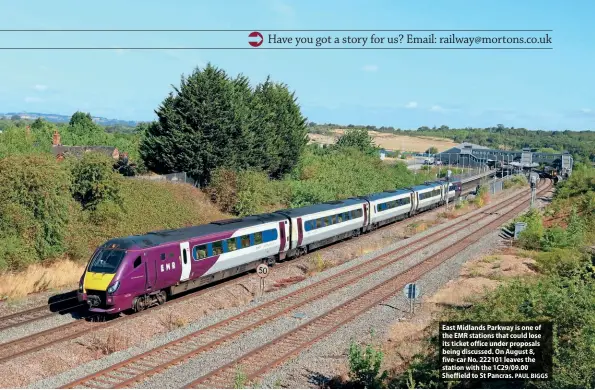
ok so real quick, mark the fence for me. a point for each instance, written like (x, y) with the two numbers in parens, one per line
(179, 177)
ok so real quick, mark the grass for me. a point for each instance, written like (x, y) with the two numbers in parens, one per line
(171, 321)
(108, 344)
(38, 278)
(318, 264)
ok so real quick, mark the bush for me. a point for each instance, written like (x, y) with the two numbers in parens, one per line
(530, 238)
(364, 367)
(563, 262)
(94, 181)
(34, 203)
(515, 181)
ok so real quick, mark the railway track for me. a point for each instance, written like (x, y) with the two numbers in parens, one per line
(66, 332)
(261, 360)
(140, 367)
(37, 313)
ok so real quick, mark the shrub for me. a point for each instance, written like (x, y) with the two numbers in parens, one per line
(530, 238)
(34, 203)
(94, 181)
(364, 367)
(563, 262)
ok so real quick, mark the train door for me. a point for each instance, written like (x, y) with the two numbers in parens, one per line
(185, 260)
(365, 215)
(150, 272)
(282, 236)
(300, 232)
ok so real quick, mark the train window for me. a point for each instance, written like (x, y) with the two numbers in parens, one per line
(359, 213)
(245, 241)
(163, 256)
(333, 219)
(257, 238)
(269, 235)
(137, 262)
(347, 216)
(200, 252)
(217, 248)
(339, 218)
(231, 245)
(328, 221)
(319, 223)
(307, 226)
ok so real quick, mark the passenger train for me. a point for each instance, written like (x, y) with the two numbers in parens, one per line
(135, 272)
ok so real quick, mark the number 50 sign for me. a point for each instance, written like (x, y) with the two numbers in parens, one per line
(262, 270)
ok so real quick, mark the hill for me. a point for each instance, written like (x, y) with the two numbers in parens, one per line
(58, 118)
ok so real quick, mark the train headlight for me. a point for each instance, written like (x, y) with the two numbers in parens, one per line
(113, 288)
(80, 287)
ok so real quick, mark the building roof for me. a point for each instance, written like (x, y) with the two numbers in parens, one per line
(160, 237)
(316, 208)
(80, 150)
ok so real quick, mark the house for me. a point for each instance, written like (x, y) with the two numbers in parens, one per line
(61, 151)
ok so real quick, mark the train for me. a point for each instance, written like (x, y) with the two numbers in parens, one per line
(131, 274)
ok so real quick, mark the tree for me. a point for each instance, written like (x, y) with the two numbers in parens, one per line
(357, 138)
(432, 150)
(195, 129)
(213, 121)
(82, 130)
(280, 129)
(94, 181)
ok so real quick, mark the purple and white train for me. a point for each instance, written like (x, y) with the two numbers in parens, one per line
(139, 271)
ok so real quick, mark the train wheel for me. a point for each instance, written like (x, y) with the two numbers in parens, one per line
(139, 304)
(161, 297)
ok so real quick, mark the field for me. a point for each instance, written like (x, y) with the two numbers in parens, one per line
(391, 141)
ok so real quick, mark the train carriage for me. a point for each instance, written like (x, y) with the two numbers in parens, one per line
(428, 196)
(389, 206)
(321, 224)
(136, 271)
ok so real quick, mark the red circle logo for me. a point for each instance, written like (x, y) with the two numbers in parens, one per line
(255, 34)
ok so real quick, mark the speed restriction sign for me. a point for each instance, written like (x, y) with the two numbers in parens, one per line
(262, 270)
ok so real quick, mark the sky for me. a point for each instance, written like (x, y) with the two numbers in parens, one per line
(536, 89)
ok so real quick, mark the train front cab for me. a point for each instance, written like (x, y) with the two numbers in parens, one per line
(112, 280)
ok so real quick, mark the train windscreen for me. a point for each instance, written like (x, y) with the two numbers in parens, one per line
(106, 261)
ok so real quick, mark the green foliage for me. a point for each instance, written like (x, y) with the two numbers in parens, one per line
(364, 367)
(563, 262)
(358, 139)
(94, 181)
(215, 122)
(515, 181)
(34, 203)
(432, 150)
(530, 238)
(240, 379)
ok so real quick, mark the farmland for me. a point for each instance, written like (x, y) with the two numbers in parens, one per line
(390, 141)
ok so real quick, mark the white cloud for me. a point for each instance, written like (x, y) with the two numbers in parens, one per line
(32, 99)
(437, 108)
(370, 68)
(40, 87)
(586, 110)
(411, 105)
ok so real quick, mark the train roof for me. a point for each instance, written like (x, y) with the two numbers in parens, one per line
(317, 208)
(155, 238)
(385, 194)
(426, 186)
